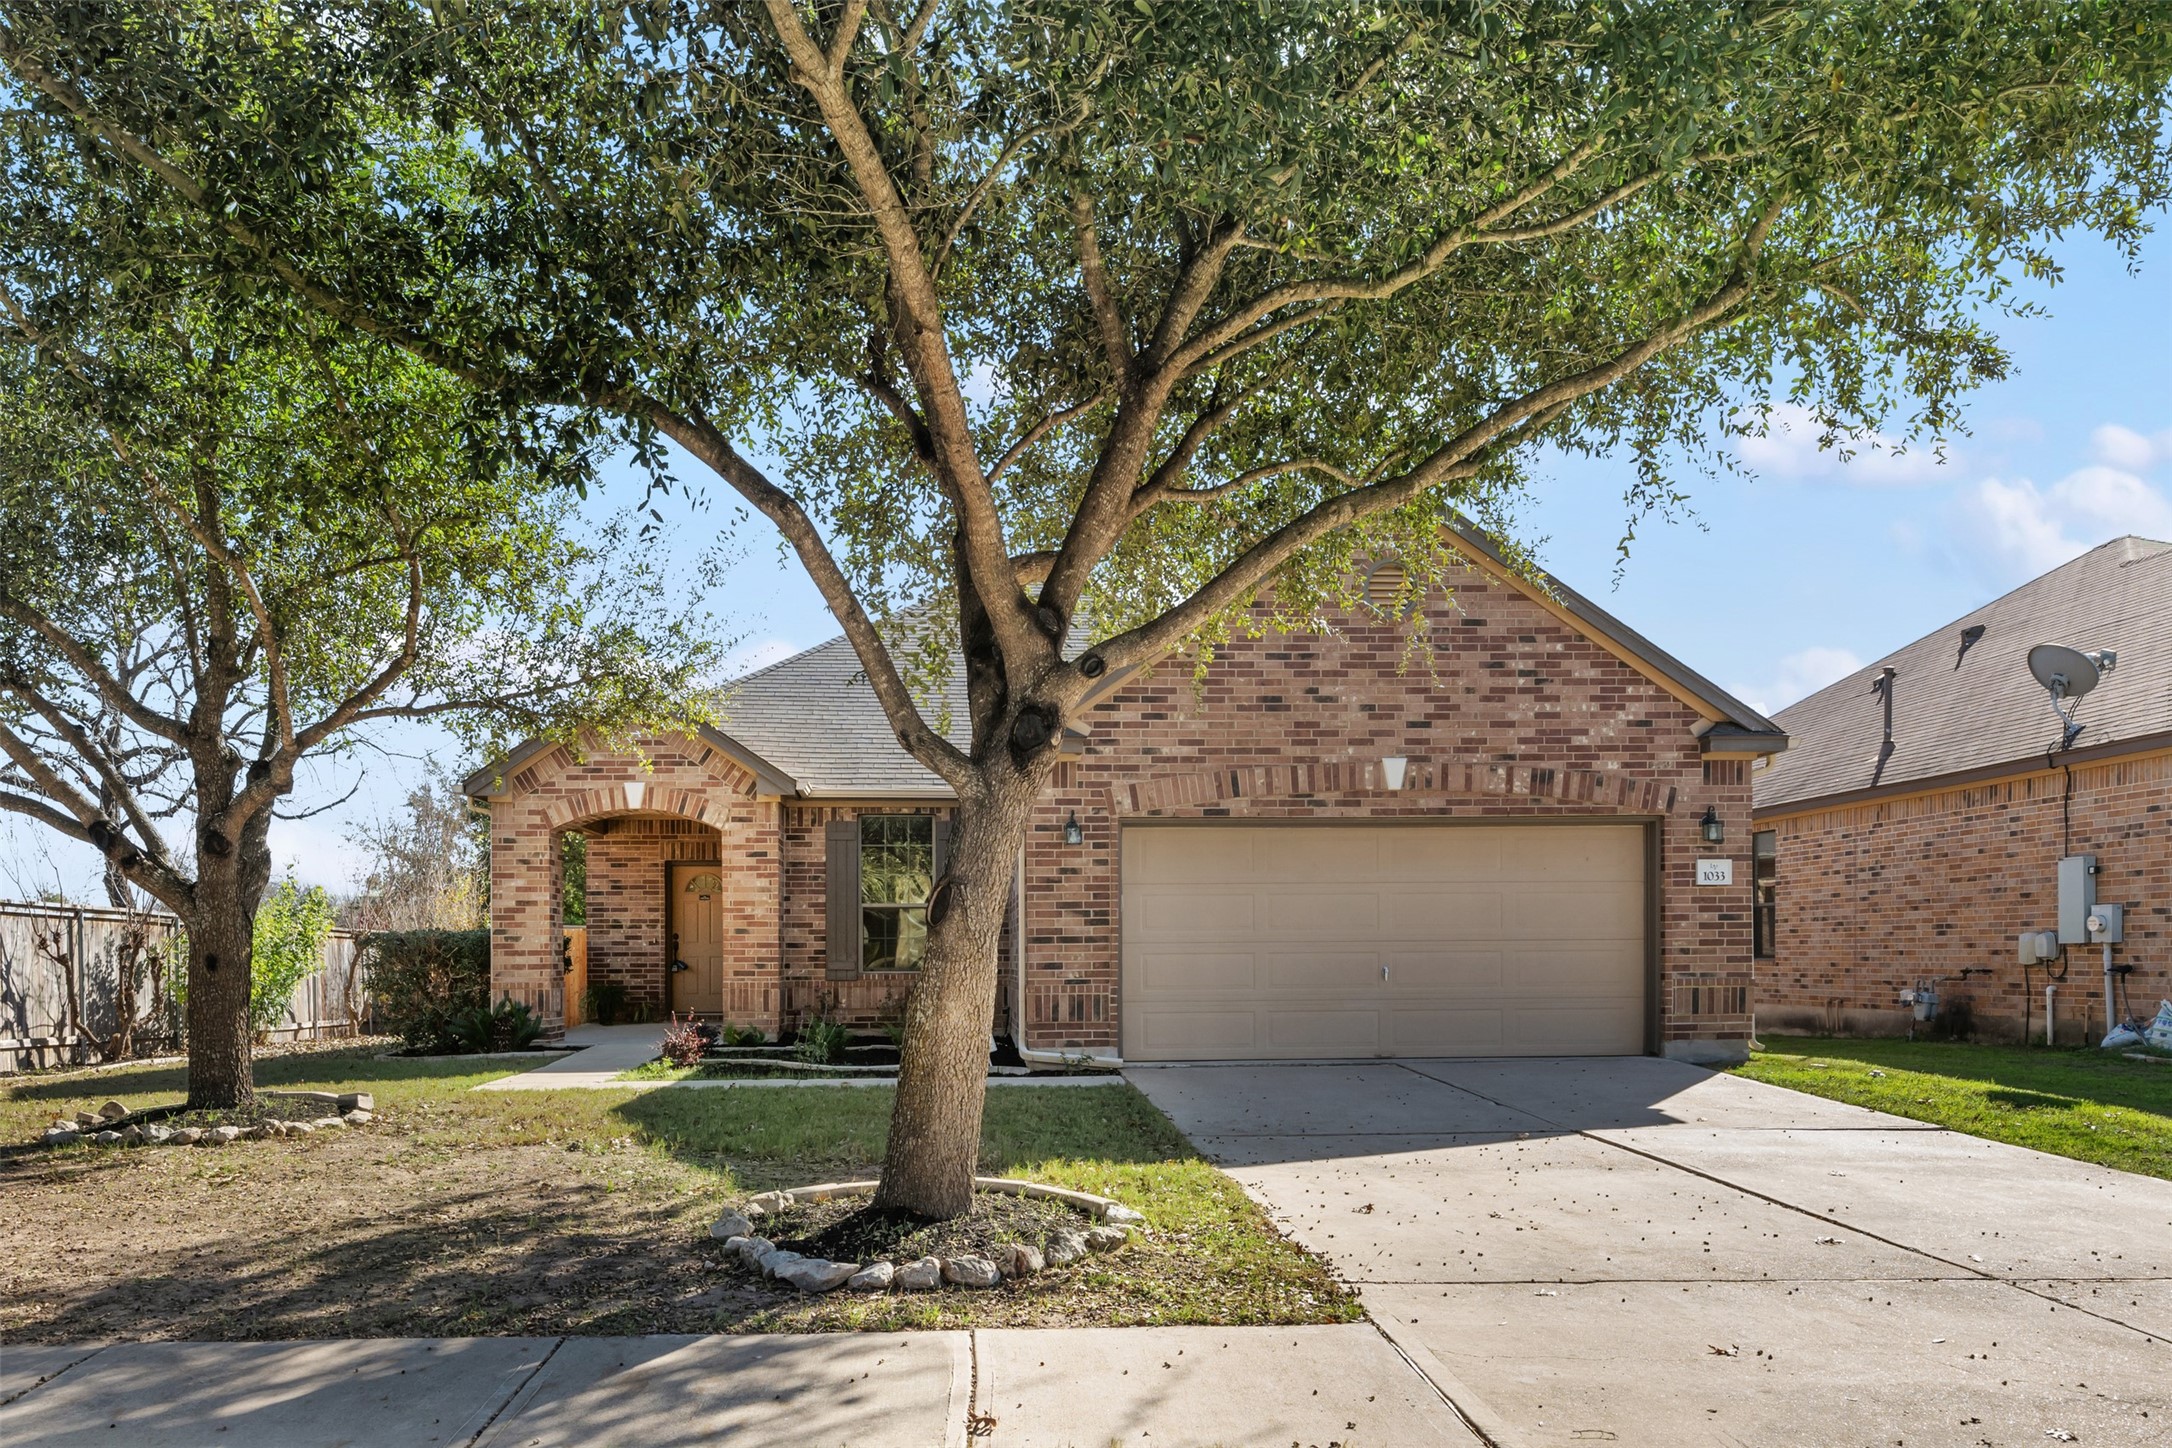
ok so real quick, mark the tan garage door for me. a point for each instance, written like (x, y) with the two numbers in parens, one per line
(1257, 941)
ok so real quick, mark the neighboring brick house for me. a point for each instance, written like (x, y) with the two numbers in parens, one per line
(1877, 876)
(1323, 848)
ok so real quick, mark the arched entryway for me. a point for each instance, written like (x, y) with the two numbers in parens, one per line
(656, 898)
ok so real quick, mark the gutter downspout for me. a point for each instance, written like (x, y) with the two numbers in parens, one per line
(1093, 1059)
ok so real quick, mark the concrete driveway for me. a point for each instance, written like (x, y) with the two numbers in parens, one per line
(1638, 1251)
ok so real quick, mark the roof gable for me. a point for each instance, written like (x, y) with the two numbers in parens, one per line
(810, 725)
(1962, 710)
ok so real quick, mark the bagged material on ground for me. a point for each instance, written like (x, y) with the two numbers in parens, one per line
(2159, 1031)
(2121, 1036)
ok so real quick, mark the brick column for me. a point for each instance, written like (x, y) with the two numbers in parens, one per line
(524, 913)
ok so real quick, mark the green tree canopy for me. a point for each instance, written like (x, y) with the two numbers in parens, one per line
(239, 536)
(1060, 310)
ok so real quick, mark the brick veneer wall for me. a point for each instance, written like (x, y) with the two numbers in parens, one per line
(1519, 716)
(1877, 895)
(684, 782)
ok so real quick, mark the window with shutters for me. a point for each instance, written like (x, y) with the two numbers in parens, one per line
(897, 870)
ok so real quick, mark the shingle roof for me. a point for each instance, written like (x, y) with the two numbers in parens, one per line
(815, 716)
(1956, 712)
(810, 725)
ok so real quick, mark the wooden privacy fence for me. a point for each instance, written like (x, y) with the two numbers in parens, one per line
(573, 969)
(68, 973)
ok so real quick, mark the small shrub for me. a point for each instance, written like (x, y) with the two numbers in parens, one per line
(422, 980)
(286, 948)
(821, 1041)
(604, 1002)
(687, 1041)
(743, 1036)
(509, 1026)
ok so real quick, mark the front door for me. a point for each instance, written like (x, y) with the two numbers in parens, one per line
(697, 939)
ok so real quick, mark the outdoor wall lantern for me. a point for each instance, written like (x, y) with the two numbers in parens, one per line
(1072, 834)
(1392, 770)
(1710, 827)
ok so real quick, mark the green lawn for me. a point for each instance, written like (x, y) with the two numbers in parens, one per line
(477, 1212)
(2090, 1105)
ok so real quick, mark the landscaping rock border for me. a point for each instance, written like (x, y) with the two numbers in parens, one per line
(1011, 1261)
(115, 1125)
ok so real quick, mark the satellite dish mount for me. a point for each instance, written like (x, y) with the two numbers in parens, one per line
(2067, 674)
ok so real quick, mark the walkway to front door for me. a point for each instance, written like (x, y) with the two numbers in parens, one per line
(1639, 1251)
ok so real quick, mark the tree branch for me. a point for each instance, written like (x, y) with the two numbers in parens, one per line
(1101, 296)
(173, 731)
(1460, 457)
(1041, 429)
(1241, 318)
(701, 439)
(98, 760)
(921, 339)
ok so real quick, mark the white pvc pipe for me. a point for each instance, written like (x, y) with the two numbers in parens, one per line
(2110, 1010)
(2051, 1019)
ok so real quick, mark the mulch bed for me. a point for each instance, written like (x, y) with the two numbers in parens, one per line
(847, 1229)
(762, 1071)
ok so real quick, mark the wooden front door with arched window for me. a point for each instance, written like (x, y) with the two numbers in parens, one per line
(696, 894)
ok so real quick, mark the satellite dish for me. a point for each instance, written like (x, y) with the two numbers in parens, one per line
(2067, 674)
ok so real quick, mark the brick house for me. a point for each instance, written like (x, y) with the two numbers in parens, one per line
(1913, 830)
(1323, 848)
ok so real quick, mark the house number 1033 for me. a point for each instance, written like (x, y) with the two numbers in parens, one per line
(1715, 872)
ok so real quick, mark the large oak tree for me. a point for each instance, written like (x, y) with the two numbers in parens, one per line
(238, 536)
(1094, 315)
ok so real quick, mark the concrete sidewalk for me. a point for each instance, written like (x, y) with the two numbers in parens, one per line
(1057, 1388)
(606, 1052)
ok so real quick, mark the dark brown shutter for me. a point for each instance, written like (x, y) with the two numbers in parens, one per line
(842, 842)
(942, 845)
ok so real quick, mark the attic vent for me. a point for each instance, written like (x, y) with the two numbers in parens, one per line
(1384, 584)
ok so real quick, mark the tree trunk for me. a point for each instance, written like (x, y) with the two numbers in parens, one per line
(934, 1144)
(221, 931)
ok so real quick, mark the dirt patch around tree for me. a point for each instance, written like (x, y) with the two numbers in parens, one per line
(847, 1229)
(465, 1213)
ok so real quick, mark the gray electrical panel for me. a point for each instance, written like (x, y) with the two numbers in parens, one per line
(2077, 897)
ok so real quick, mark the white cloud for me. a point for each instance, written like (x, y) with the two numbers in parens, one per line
(2125, 449)
(1789, 449)
(1799, 675)
(2014, 530)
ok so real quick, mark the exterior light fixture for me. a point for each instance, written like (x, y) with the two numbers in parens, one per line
(1072, 834)
(1710, 827)
(1392, 770)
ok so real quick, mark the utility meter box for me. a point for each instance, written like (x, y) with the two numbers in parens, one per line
(2077, 897)
(2107, 924)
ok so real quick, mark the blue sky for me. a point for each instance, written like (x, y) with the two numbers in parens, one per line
(1783, 582)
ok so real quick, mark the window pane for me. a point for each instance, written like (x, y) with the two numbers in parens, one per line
(897, 859)
(893, 939)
